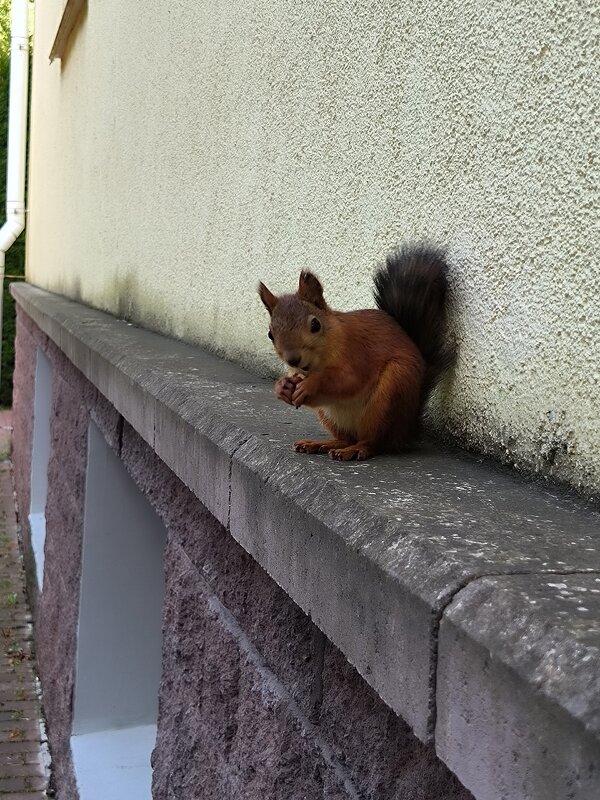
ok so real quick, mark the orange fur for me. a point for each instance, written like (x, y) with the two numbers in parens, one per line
(367, 390)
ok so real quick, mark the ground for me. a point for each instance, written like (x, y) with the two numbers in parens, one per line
(23, 775)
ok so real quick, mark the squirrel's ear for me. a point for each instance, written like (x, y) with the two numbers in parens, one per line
(268, 298)
(310, 289)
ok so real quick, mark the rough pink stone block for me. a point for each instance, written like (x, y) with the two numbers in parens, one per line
(228, 728)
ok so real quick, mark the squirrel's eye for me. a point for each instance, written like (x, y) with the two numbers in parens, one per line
(315, 325)
(270, 335)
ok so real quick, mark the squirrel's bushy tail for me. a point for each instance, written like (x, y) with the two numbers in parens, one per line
(412, 288)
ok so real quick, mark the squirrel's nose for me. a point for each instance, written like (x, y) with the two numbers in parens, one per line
(293, 360)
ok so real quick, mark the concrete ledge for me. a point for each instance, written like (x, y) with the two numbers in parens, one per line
(374, 552)
(519, 686)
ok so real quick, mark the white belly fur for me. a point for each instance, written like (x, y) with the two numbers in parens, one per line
(346, 414)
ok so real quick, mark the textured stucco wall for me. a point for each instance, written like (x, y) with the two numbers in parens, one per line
(181, 154)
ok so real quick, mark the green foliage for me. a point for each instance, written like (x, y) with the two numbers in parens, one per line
(15, 257)
(4, 29)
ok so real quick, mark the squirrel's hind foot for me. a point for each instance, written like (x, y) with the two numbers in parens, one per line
(319, 445)
(355, 452)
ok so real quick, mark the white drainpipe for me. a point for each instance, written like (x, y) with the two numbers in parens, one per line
(17, 134)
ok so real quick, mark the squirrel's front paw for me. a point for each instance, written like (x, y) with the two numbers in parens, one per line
(285, 387)
(301, 394)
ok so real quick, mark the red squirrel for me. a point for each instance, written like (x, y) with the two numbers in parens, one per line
(368, 373)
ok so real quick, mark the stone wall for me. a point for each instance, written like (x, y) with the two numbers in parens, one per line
(254, 699)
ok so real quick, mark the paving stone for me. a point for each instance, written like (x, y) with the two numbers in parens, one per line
(21, 731)
(25, 796)
(17, 692)
(22, 773)
(34, 770)
(11, 759)
(24, 783)
(19, 747)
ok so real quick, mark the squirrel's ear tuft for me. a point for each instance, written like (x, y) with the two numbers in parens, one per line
(269, 299)
(310, 289)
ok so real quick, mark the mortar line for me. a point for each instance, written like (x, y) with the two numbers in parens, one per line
(234, 451)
